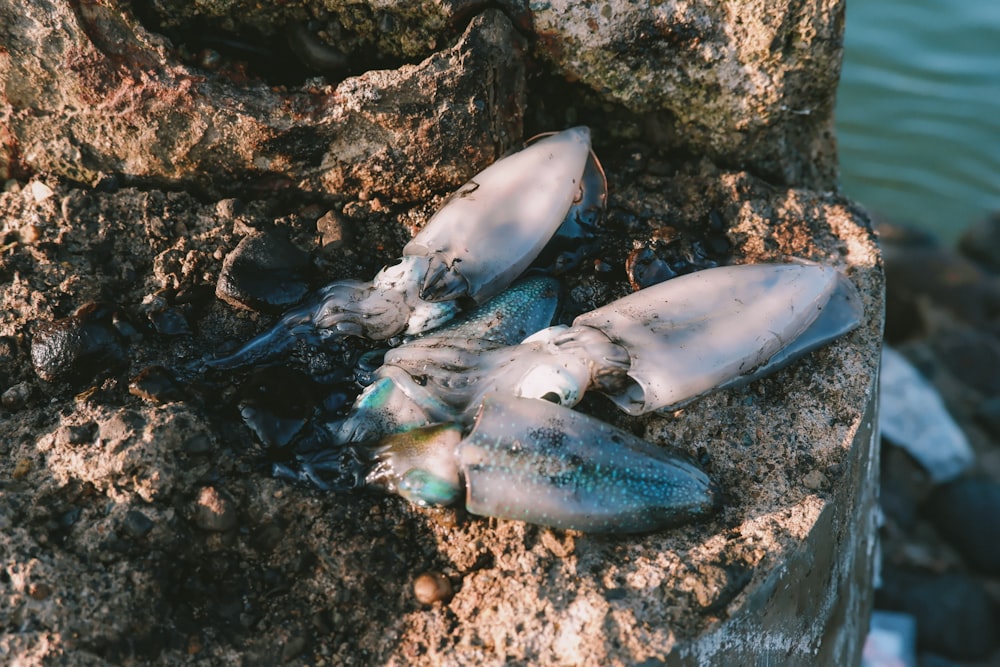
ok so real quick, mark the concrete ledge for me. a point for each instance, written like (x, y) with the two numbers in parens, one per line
(783, 576)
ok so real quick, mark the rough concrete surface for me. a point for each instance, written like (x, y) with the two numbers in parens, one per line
(139, 522)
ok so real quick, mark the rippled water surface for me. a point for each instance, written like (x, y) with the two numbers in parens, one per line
(918, 110)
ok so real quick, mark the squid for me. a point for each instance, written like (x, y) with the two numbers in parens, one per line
(484, 236)
(535, 461)
(659, 348)
(467, 411)
(479, 410)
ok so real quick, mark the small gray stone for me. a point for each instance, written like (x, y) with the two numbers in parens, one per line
(16, 396)
(137, 524)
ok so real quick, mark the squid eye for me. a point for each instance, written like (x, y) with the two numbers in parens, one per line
(552, 384)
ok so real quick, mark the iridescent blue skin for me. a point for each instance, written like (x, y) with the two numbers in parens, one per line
(535, 461)
(438, 388)
(538, 461)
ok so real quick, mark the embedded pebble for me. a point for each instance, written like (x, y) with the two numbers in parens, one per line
(431, 587)
(331, 231)
(216, 511)
(265, 272)
(227, 209)
(156, 384)
(967, 513)
(40, 192)
(955, 615)
(30, 234)
(16, 396)
(137, 524)
(814, 480)
(76, 434)
(79, 347)
(21, 469)
(645, 269)
(292, 648)
(169, 321)
(39, 591)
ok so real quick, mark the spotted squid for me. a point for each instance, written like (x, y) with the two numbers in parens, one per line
(540, 462)
(484, 236)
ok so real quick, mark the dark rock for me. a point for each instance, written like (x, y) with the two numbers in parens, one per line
(903, 485)
(902, 234)
(644, 268)
(137, 524)
(988, 416)
(966, 512)
(157, 385)
(265, 272)
(276, 402)
(77, 348)
(16, 396)
(980, 242)
(955, 616)
(267, 538)
(169, 322)
(199, 443)
(922, 276)
(76, 434)
(972, 355)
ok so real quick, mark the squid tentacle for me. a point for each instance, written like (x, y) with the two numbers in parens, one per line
(483, 237)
